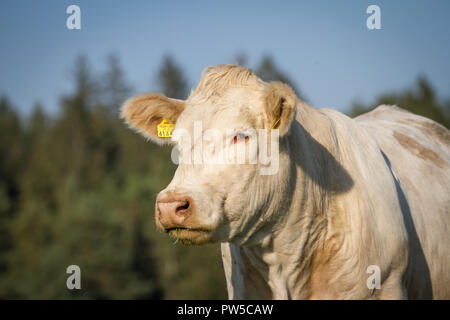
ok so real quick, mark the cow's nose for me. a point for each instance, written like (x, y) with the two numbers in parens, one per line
(174, 210)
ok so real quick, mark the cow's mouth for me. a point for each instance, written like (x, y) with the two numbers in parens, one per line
(190, 236)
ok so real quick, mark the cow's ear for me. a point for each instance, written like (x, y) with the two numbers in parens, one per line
(145, 112)
(280, 106)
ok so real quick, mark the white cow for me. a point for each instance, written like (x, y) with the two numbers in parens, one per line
(351, 197)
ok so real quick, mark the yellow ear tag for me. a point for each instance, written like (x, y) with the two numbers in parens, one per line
(275, 124)
(165, 128)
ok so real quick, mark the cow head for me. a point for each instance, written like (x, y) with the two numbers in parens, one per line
(227, 115)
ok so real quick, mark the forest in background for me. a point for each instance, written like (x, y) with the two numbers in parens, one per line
(78, 188)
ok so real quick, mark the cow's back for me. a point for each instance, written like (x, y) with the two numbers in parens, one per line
(418, 151)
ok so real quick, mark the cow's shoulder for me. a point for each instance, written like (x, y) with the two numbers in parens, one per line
(387, 112)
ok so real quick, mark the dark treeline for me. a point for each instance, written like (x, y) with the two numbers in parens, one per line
(421, 99)
(78, 188)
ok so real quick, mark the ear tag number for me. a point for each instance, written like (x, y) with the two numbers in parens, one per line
(165, 128)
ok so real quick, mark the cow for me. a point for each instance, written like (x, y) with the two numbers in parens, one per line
(357, 208)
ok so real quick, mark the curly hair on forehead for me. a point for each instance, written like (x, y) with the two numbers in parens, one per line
(216, 80)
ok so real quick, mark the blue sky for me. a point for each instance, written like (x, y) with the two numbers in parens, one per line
(324, 46)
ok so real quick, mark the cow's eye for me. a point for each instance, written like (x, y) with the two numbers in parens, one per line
(240, 137)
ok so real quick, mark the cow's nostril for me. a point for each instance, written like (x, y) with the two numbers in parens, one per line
(182, 208)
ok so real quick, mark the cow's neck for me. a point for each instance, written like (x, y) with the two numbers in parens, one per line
(291, 262)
